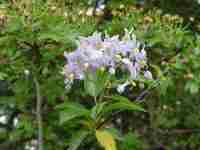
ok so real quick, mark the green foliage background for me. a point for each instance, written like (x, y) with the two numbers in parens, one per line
(33, 36)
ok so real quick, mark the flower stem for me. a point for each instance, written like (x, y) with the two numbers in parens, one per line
(95, 100)
(39, 114)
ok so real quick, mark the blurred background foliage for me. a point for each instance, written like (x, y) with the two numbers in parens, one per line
(34, 34)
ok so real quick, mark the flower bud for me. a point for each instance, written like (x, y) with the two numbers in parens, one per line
(165, 107)
(122, 87)
(136, 50)
(111, 70)
(26, 72)
(71, 76)
(121, 6)
(133, 84)
(86, 65)
(178, 102)
(148, 75)
(89, 12)
(65, 14)
(102, 7)
(118, 57)
(102, 69)
(80, 12)
(53, 8)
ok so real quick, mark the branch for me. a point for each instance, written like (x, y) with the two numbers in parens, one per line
(178, 131)
(39, 114)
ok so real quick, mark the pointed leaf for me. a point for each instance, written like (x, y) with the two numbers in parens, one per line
(124, 106)
(122, 103)
(94, 83)
(71, 111)
(97, 109)
(106, 140)
(77, 139)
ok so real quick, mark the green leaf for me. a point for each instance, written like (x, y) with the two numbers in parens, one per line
(15, 25)
(97, 109)
(115, 133)
(106, 140)
(121, 103)
(165, 83)
(124, 106)
(69, 111)
(77, 139)
(120, 98)
(90, 85)
(3, 75)
(131, 141)
(193, 87)
(94, 83)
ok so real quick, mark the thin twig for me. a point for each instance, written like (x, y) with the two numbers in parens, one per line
(178, 131)
(39, 114)
(95, 99)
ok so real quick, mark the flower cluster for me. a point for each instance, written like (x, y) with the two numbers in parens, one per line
(110, 53)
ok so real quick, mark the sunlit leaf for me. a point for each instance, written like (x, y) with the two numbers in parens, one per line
(106, 140)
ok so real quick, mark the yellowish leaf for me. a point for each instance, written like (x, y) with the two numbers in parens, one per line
(106, 140)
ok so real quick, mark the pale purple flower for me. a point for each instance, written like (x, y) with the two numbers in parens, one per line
(73, 71)
(132, 68)
(111, 70)
(111, 53)
(128, 46)
(133, 72)
(93, 41)
(141, 56)
(111, 46)
(121, 87)
(126, 61)
(148, 75)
